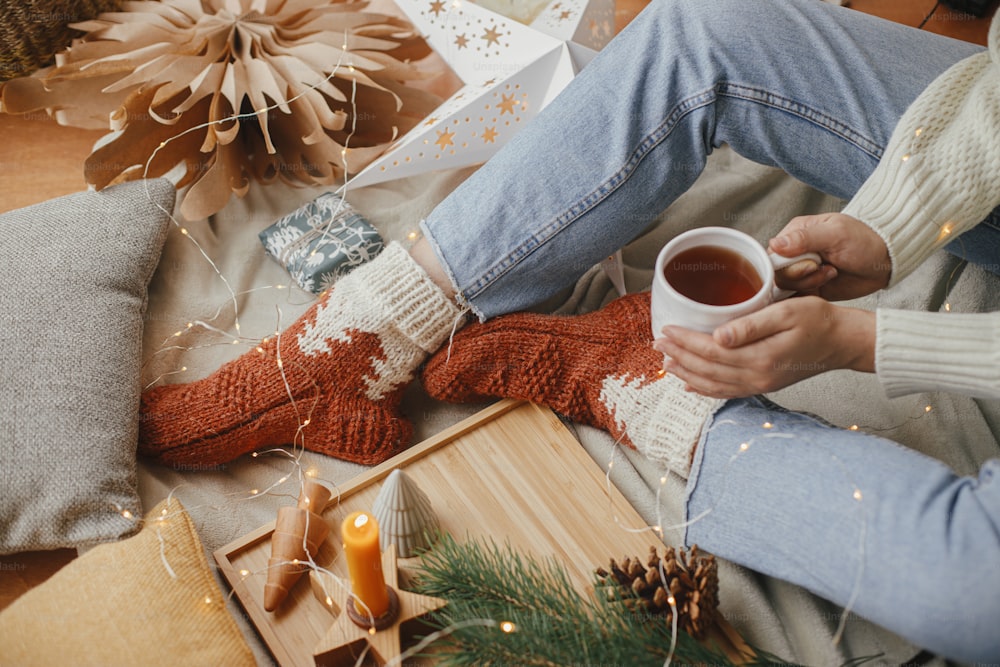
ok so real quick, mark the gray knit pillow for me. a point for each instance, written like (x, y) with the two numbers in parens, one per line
(73, 278)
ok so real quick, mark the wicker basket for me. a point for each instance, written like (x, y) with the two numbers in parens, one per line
(32, 31)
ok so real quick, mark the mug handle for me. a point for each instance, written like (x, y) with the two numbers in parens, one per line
(779, 263)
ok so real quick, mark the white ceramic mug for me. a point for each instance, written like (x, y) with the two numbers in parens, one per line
(670, 307)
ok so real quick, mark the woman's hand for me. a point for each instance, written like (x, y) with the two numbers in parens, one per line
(855, 258)
(777, 346)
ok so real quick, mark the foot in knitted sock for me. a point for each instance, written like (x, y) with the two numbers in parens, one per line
(338, 373)
(598, 369)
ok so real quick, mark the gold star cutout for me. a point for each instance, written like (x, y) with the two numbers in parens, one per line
(492, 36)
(565, 14)
(507, 105)
(343, 637)
(461, 41)
(489, 135)
(445, 139)
(437, 7)
(431, 121)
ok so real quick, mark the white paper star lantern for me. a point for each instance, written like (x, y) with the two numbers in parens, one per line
(510, 71)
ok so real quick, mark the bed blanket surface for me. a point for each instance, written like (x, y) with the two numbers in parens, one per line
(241, 279)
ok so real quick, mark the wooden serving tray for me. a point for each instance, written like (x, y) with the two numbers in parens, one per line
(512, 473)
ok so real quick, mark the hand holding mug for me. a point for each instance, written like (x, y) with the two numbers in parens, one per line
(856, 259)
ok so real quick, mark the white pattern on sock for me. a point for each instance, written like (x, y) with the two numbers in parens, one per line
(393, 298)
(662, 420)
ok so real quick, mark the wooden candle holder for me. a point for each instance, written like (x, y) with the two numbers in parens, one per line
(340, 644)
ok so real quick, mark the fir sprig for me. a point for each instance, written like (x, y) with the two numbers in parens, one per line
(552, 623)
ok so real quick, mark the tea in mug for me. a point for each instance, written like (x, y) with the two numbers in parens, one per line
(713, 275)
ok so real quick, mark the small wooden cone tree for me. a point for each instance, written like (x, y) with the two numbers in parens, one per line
(298, 533)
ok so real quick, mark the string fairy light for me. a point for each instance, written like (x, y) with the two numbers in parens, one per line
(304, 418)
(743, 449)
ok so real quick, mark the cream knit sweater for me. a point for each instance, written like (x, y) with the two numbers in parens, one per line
(939, 177)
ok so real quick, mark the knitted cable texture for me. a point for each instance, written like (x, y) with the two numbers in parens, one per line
(346, 362)
(598, 369)
(938, 175)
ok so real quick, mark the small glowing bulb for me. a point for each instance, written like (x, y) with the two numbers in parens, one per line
(946, 230)
(918, 132)
(255, 455)
(281, 364)
(208, 599)
(178, 333)
(163, 144)
(236, 342)
(768, 425)
(744, 446)
(852, 427)
(163, 512)
(371, 631)
(283, 479)
(927, 408)
(306, 422)
(244, 573)
(260, 349)
(661, 372)
(611, 464)
(947, 307)
(663, 480)
(295, 561)
(411, 235)
(183, 368)
(905, 157)
(312, 472)
(189, 325)
(254, 492)
(184, 231)
(126, 514)
(329, 601)
(508, 627)
(857, 494)
(671, 601)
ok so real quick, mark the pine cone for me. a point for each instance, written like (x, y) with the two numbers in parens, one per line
(691, 579)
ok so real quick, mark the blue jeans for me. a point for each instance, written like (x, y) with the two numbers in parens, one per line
(857, 519)
(811, 88)
(815, 90)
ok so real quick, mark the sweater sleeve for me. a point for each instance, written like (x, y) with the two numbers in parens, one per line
(939, 174)
(925, 351)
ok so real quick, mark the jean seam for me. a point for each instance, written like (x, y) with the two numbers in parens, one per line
(597, 195)
(803, 111)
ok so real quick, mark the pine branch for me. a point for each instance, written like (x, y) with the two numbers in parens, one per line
(552, 623)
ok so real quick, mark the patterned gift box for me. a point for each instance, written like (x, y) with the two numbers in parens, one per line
(321, 241)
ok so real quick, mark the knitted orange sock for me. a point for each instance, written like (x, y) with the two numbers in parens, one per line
(345, 363)
(598, 369)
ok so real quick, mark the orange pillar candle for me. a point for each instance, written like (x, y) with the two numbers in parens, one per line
(364, 564)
